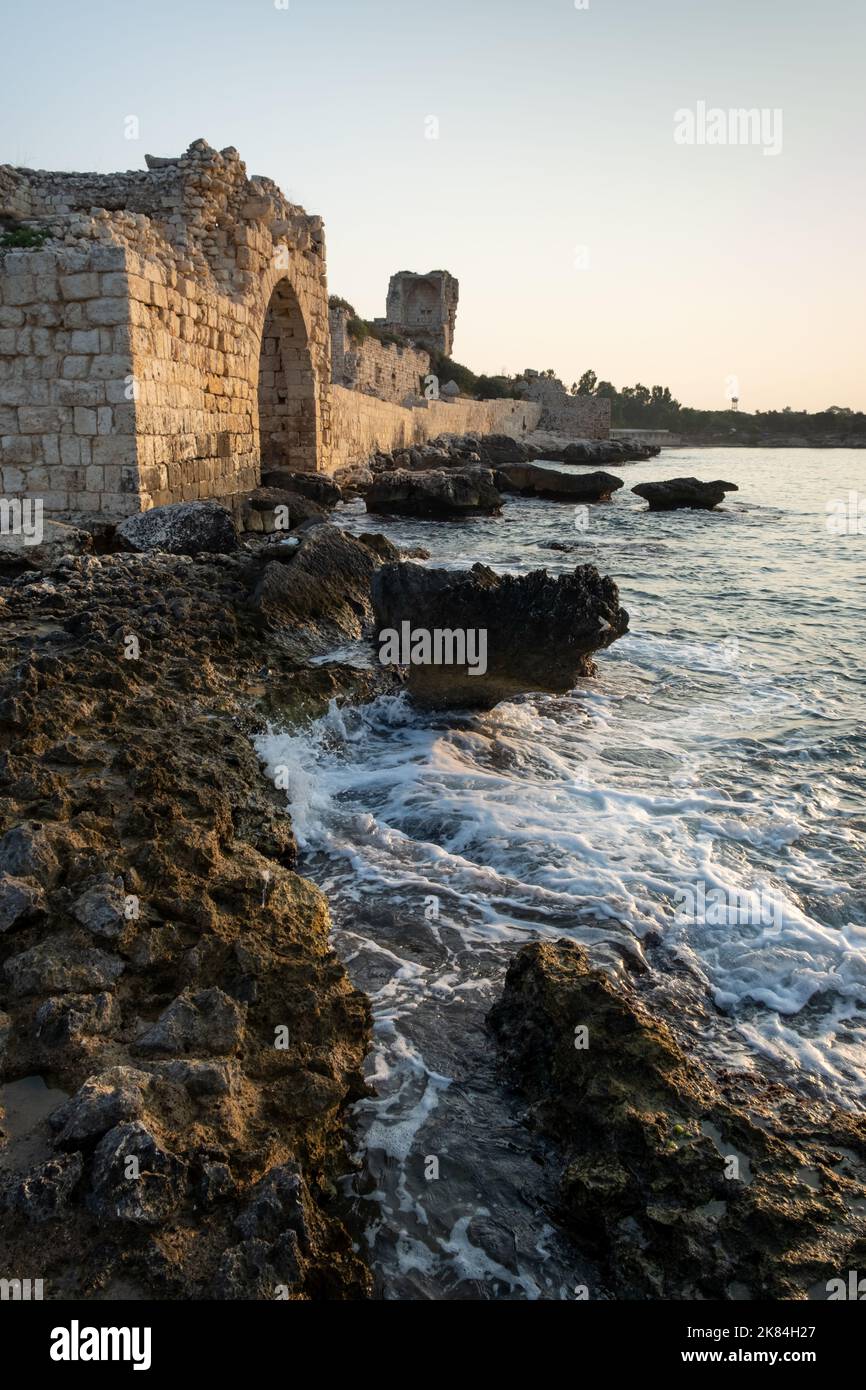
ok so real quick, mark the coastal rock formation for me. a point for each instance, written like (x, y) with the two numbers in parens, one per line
(318, 592)
(181, 528)
(606, 451)
(161, 960)
(539, 632)
(437, 495)
(683, 492)
(316, 486)
(684, 1184)
(534, 480)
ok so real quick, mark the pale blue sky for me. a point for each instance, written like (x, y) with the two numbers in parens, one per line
(555, 133)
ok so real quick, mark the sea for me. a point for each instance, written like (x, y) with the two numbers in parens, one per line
(694, 816)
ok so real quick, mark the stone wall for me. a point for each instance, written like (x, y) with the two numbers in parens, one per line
(581, 417)
(362, 424)
(391, 371)
(167, 312)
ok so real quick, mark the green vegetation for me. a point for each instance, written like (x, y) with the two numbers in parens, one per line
(24, 238)
(644, 407)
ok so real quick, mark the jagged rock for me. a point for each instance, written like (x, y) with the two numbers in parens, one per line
(146, 1199)
(538, 631)
(181, 528)
(43, 1193)
(102, 907)
(355, 480)
(437, 495)
(683, 492)
(647, 1137)
(274, 1205)
(323, 586)
(207, 1021)
(276, 509)
(101, 1103)
(20, 901)
(199, 1078)
(532, 479)
(59, 967)
(316, 486)
(380, 545)
(75, 1018)
(256, 1269)
(26, 852)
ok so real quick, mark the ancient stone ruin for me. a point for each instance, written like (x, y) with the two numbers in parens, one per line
(171, 332)
(423, 308)
(165, 335)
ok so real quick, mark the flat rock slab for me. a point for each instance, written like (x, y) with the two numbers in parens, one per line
(684, 492)
(534, 480)
(436, 494)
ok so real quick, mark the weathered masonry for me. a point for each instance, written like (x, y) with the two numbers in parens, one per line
(169, 335)
(164, 335)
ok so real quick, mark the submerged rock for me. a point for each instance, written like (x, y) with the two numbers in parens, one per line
(514, 633)
(682, 1184)
(683, 492)
(534, 480)
(435, 494)
(181, 528)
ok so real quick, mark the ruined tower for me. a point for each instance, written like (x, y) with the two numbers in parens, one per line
(423, 308)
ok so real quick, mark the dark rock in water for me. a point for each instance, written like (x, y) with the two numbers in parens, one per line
(437, 495)
(380, 545)
(537, 632)
(134, 1178)
(181, 528)
(605, 451)
(683, 492)
(682, 1184)
(43, 1193)
(208, 1021)
(316, 486)
(559, 545)
(533, 480)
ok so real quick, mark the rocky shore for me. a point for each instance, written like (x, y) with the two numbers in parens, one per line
(683, 1181)
(179, 1044)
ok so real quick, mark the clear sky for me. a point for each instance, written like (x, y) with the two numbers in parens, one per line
(582, 234)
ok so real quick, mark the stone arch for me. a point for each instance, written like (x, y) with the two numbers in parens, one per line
(287, 387)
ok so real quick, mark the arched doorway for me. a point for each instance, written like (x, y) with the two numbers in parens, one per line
(287, 386)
